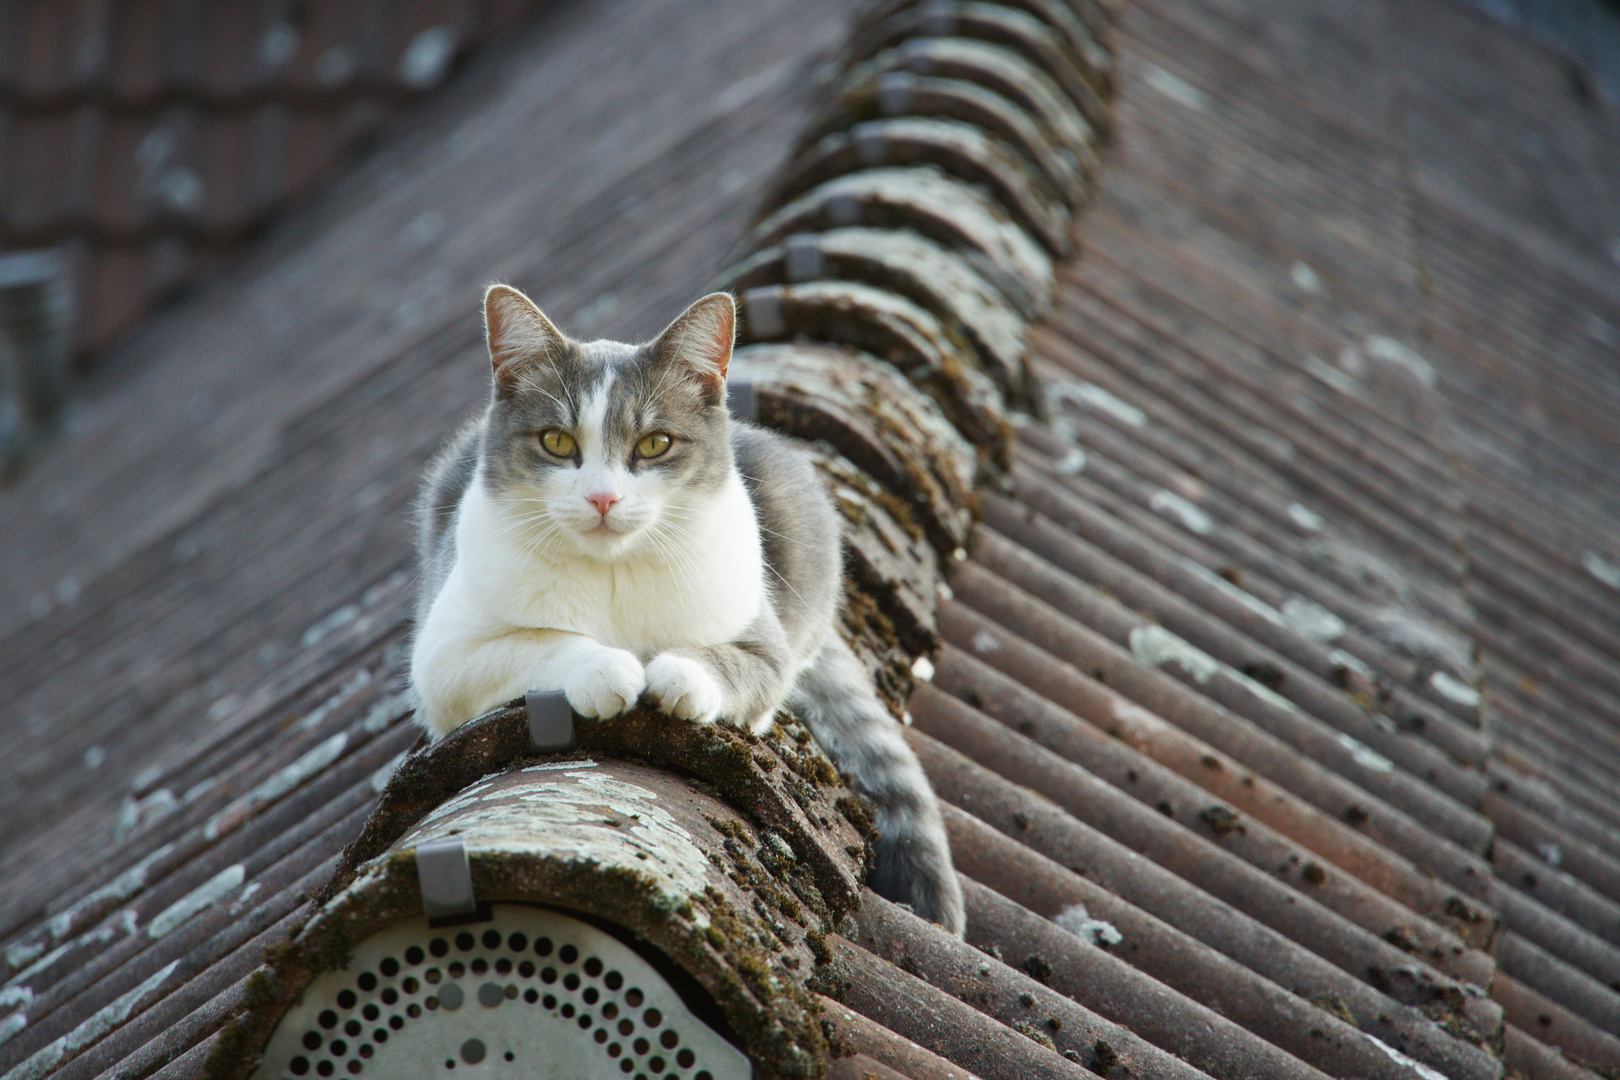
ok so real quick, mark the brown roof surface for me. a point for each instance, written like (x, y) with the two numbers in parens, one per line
(1277, 696)
(150, 138)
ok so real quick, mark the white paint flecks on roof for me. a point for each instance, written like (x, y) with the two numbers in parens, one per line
(1175, 87)
(1189, 515)
(1390, 351)
(1601, 568)
(1095, 397)
(427, 58)
(39, 964)
(1155, 646)
(117, 890)
(380, 778)
(1278, 446)
(1331, 375)
(1312, 619)
(198, 790)
(1072, 463)
(1247, 599)
(1399, 1058)
(199, 899)
(240, 903)
(1260, 690)
(1599, 329)
(279, 783)
(1354, 663)
(1455, 689)
(923, 669)
(345, 693)
(1304, 278)
(335, 621)
(1077, 921)
(143, 811)
(984, 641)
(1305, 517)
(12, 1024)
(45, 1060)
(23, 954)
(310, 763)
(1366, 756)
(382, 715)
(1411, 634)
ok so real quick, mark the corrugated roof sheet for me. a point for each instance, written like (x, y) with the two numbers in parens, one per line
(1275, 707)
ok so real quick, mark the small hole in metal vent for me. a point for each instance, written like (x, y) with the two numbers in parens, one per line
(531, 990)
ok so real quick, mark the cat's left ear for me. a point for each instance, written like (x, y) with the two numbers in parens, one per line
(701, 339)
(518, 334)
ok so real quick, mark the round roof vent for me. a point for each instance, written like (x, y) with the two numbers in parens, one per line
(529, 993)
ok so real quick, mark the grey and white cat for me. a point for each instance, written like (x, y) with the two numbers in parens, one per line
(607, 530)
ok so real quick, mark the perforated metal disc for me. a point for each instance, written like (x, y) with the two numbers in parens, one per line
(531, 993)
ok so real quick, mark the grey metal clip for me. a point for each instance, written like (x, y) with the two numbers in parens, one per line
(871, 147)
(762, 310)
(844, 209)
(895, 92)
(939, 18)
(802, 258)
(445, 876)
(551, 721)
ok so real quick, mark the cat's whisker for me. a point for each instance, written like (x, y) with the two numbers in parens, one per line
(678, 558)
(518, 526)
(690, 513)
(781, 536)
(787, 583)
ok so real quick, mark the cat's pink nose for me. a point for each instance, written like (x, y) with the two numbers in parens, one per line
(603, 501)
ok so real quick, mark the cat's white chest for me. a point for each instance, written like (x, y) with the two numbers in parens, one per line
(702, 586)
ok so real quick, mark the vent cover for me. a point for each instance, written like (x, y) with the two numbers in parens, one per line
(530, 993)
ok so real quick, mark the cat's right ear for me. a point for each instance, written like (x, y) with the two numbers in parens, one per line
(518, 334)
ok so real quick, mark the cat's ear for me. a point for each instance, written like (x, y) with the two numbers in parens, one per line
(701, 339)
(518, 334)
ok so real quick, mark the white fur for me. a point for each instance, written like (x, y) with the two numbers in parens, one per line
(548, 594)
(684, 688)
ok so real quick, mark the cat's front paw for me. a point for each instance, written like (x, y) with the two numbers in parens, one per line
(607, 684)
(683, 688)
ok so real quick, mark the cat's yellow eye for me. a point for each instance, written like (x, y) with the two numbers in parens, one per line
(652, 445)
(557, 443)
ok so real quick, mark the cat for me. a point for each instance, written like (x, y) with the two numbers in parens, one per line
(608, 530)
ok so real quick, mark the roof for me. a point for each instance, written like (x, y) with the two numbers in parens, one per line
(1275, 707)
(150, 139)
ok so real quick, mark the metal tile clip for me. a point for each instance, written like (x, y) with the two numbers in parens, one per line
(742, 401)
(551, 721)
(445, 876)
(762, 312)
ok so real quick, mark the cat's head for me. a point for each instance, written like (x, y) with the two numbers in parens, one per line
(600, 448)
